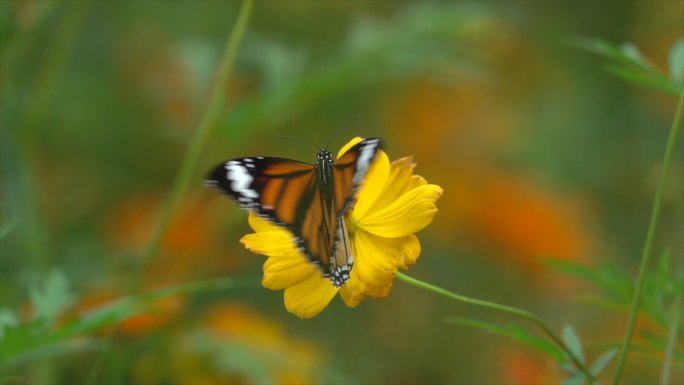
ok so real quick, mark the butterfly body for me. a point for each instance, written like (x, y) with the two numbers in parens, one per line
(308, 200)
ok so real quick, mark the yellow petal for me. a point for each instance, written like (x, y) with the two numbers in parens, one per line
(378, 292)
(376, 259)
(398, 182)
(349, 145)
(282, 272)
(271, 243)
(285, 266)
(309, 296)
(417, 180)
(352, 295)
(372, 185)
(410, 213)
(259, 224)
(409, 250)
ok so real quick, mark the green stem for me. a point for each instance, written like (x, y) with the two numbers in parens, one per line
(671, 341)
(187, 167)
(650, 236)
(189, 163)
(42, 94)
(504, 309)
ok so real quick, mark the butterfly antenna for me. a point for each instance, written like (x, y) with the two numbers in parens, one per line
(349, 123)
(283, 137)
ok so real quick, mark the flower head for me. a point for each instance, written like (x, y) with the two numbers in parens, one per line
(392, 204)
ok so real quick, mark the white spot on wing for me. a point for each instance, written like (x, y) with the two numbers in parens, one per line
(240, 179)
(363, 163)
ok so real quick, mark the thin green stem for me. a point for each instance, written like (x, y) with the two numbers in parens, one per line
(671, 341)
(189, 163)
(42, 92)
(650, 236)
(187, 166)
(504, 309)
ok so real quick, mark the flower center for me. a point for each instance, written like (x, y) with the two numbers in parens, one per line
(352, 224)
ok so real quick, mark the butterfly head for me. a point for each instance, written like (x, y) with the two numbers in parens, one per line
(324, 164)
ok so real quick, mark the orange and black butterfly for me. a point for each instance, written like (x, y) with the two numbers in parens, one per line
(308, 200)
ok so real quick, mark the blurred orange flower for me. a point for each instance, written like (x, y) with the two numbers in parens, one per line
(520, 367)
(464, 129)
(234, 344)
(522, 220)
(190, 247)
(158, 314)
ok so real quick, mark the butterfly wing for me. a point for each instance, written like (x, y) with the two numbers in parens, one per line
(275, 188)
(349, 171)
(297, 196)
(287, 193)
(315, 230)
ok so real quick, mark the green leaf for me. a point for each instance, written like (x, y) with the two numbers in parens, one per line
(60, 348)
(647, 79)
(573, 342)
(627, 63)
(596, 46)
(627, 54)
(676, 61)
(566, 366)
(21, 338)
(36, 339)
(8, 319)
(664, 261)
(632, 52)
(8, 226)
(514, 332)
(616, 283)
(574, 380)
(601, 361)
(52, 297)
(575, 269)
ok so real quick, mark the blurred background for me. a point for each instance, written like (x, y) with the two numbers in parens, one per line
(542, 155)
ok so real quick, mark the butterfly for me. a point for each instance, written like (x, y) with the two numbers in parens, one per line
(308, 200)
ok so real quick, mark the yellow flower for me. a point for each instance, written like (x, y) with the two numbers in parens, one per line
(392, 204)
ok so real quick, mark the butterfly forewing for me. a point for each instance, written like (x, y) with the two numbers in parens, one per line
(349, 171)
(308, 200)
(272, 187)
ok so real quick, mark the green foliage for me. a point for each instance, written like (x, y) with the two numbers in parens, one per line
(626, 62)
(663, 286)
(661, 301)
(51, 298)
(575, 345)
(514, 332)
(602, 361)
(573, 342)
(378, 50)
(42, 336)
(676, 61)
(543, 345)
(374, 51)
(8, 319)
